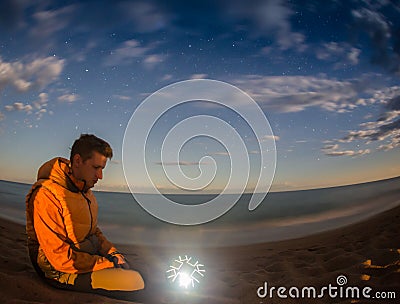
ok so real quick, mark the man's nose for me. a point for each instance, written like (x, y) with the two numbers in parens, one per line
(100, 174)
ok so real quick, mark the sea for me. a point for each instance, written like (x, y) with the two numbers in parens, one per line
(280, 216)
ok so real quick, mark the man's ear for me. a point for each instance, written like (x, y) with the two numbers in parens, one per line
(77, 159)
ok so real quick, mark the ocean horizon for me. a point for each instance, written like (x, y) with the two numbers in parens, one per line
(280, 216)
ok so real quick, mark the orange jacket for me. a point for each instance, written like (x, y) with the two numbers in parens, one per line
(62, 222)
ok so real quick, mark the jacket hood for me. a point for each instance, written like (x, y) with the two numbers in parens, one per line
(58, 170)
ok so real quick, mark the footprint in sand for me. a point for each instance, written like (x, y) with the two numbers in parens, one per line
(342, 261)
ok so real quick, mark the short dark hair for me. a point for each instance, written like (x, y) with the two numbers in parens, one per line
(87, 143)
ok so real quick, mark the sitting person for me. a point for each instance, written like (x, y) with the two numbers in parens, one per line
(65, 245)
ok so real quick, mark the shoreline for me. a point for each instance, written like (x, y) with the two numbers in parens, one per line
(367, 253)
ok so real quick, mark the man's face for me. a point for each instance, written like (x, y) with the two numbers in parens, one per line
(90, 170)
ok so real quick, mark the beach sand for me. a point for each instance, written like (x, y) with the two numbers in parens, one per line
(367, 253)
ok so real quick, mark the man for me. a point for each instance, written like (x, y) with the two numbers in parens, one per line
(65, 245)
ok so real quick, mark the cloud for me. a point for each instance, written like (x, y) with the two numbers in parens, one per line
(199, 76)
(388, 125)
(68, 97)
(269, 137)
(341, 53)
(385, 129)
(49, 22)
(394, 142)
(19, 106)
(352, 56)
(167, 77)
(297, 93)
(333, 150)
(34, 74)
(152, 60)
(269, 18)
(126, 52)
(42, 101)
(44, 70)
(145, 16)
(39, 105)
(122, 97)
(131, 50)
(383, 36)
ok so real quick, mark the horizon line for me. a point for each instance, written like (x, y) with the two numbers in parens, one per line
(231, 193)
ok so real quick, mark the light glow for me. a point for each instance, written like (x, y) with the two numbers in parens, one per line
(185, 271)
(184, 280)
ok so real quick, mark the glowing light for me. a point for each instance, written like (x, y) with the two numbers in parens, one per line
(186, 272)
(184, 280)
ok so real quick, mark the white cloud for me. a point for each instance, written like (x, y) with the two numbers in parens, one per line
(39, 105)
(19, 106)
(167, 77)
(333, 150)
(39, 114)
(269, 137)
(128, 51)
(342, 54)
(22, 85)
(45, 70)
(49, 22)
(297, 93)
(122, 97)
(152, 60)
(393, 143)
(348, 153)
(68, 97)
(42, 101)
(385, 129)
(43, 97)
(199, 76)
(352, 56)
(35, 74)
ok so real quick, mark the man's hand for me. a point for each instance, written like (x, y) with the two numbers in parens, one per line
(119, 260)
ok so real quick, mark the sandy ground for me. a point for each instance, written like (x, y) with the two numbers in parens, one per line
(366, 253)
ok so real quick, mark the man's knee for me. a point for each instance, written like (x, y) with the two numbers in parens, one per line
(137, 278)
(117, 279)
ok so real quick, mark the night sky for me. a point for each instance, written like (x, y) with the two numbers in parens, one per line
(325, 73)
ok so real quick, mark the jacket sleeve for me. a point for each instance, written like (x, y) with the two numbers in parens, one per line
(52, 237)
(105, 246)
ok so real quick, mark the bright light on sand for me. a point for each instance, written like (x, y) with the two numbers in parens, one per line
(186, 272)
(184, 280)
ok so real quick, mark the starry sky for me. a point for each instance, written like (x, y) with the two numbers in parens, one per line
(325, 73)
